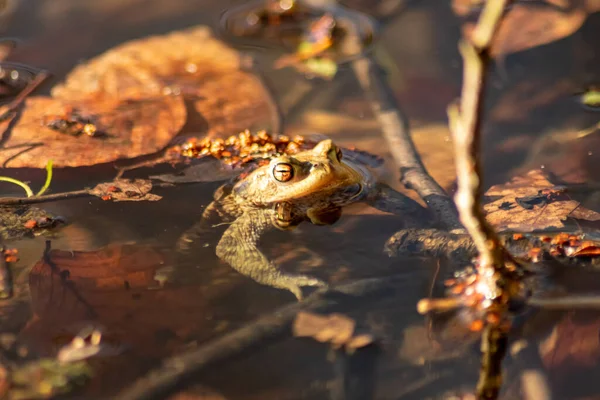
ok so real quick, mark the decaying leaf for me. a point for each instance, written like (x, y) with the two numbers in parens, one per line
(25, 221)
(532, 24)
(190, 63)
(572, 344)
(336, 329)
(125, 129)
(531, 202)
(125, 190)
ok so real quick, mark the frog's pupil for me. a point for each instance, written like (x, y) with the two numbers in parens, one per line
(283, 172)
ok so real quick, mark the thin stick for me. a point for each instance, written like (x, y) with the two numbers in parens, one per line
(466, 129)
(396, 131)
(493, 348)
(15, 201)
(566, 302)
(497, 282)
(176, 371)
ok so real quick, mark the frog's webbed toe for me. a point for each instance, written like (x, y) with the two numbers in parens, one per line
(239, 248)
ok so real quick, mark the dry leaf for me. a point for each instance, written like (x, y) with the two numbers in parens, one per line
(336, 329)
(125, 190)
(517, 208)
(191, 63)
(529, 25)
(127, 129)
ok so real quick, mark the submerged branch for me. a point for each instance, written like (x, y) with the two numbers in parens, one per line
(178, 370)
(16, 201)
(395, 128)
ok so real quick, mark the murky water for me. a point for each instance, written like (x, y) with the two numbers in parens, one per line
(531, 107)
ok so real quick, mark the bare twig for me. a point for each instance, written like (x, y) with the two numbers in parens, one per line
(15, 201)
(493, 348)
(176, 371)
(396, 130)
(495, 267)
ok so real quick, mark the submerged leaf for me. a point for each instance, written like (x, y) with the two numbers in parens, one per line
(336, 329)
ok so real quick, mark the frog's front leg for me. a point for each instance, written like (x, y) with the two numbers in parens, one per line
(384, 198)
(239, 248)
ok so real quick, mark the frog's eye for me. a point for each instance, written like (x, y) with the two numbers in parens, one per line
(283, 172)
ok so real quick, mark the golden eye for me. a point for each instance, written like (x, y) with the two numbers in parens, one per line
(338, 153)
(283, 172)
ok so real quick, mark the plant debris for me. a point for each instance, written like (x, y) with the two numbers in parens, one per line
(125, 190)
(311, 56)
(531, 202)
(25, 221)
(336, 329)
(239, 150)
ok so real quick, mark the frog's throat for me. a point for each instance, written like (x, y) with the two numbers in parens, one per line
(341, 175)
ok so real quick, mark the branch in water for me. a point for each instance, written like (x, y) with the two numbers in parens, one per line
(396, 130)
(178, 370)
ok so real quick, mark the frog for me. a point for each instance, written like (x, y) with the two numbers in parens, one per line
(310, 186)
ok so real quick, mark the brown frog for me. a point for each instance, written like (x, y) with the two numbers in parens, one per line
(312, 185)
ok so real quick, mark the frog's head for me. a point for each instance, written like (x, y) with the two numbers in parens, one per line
(291, 178)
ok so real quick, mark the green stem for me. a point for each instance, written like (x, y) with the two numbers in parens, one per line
(25, 186)
(48, 179)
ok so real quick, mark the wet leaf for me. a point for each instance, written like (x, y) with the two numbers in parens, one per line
(125, 190)
(130, 129)
(530, 202)
(336, 329)
(191, 63)
(572, 344)
(25, 221)
(585, 214)
(529, 24)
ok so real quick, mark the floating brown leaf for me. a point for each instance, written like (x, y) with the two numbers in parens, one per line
(530, 202)
(125, 190)
(129, 129)
(191, 63)
(336, 329)
(529, 24)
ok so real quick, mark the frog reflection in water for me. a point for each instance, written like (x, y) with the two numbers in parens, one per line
(313, 186)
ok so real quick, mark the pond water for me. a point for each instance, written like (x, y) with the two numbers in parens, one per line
(532, 120)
